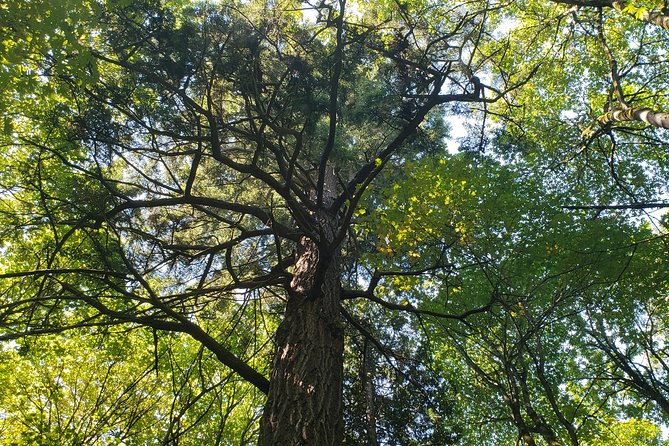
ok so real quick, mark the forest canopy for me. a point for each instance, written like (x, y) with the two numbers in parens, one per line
(404, 222)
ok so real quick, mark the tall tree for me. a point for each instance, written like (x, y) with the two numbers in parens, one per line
(266, 177)
(166, 158)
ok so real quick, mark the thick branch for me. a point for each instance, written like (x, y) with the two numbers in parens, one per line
(54, 271)
(185, 326)
(651, 17)
(226, 357)
(639, 114)
(637, 380)
(587, 3)
(654, 18)
(257, 212)
(613, 64)
(206, 249)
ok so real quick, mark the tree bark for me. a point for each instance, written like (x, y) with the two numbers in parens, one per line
(304, 404)
(645, 15)
(367, 377)
(641, 114)
(652, 17)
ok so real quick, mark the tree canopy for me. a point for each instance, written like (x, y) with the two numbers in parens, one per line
(248, 222)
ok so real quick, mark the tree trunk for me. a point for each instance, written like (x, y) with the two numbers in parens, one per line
(367, 377)
(304, 404)
(641, 114)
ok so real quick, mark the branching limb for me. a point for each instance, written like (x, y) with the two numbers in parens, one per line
(658, 205)
(333, 105)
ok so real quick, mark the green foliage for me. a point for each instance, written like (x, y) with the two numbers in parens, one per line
(160, 162)
(551, 277)
(120, 388)
(629, 433)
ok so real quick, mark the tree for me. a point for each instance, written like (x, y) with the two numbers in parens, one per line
(529, 368)
(179, 156)
(265, 178)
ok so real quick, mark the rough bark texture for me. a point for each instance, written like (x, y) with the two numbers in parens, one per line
(304, 404)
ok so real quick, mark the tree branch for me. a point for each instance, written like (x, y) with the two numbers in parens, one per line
(333, 106)
(183, 325)
(619, 206)
(354, 294)
(638, 114)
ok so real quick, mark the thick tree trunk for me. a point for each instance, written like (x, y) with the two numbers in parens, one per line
(304, 404)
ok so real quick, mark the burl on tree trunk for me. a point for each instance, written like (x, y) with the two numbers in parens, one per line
(304, 405)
